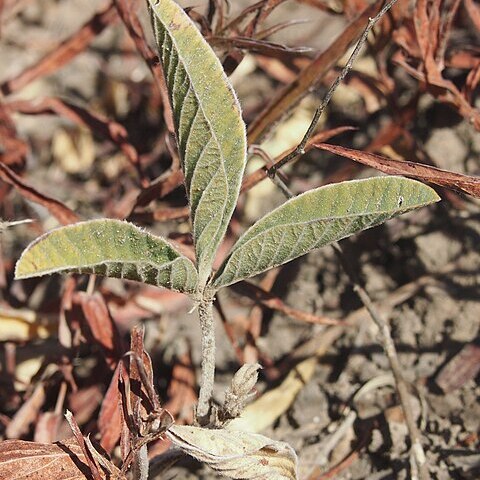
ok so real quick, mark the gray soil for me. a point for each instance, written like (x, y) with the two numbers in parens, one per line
(429, 327)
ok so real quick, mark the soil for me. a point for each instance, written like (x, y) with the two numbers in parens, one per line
(430, 326)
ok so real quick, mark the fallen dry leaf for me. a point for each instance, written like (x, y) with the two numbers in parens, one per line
(419, 171)
(27, 414)
(22, 325)
(60, 211)
(239, 455)
(110, 417)
(64, 52)
(464, 366)
(102, 326)
(21, 460)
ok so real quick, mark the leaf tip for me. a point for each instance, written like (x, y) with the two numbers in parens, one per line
(24, 268)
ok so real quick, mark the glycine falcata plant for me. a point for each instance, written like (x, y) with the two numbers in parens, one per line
(211, 141)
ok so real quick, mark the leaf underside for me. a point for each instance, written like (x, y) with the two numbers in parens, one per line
(110, 248)
(317, 218)
(210, 130)
(235, 454)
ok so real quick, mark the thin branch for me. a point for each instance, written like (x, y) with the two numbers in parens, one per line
(389, 347)
(300, 149)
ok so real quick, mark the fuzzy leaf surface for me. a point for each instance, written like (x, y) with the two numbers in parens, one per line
(317, 218)
(237, 454)
(210, 130)
(111, 248)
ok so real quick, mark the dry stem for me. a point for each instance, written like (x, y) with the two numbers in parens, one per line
(389, 347)
(300, 148)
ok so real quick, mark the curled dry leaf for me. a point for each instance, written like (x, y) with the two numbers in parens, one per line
(425, 173)
(60, 211)
(20, 460)
(239, 455)
(110, 417)
(102, 326)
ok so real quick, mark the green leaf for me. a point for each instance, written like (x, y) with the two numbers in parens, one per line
(111, 248)
(317, 218)
(210, 130)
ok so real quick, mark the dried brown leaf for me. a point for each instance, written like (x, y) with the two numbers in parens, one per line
(135, 30)
(275, 303)
(27, 414)
(464, 366)
(97, 123)
(263, 47)
(419, 171)
(236, 454)
(89, 457)
(182, 389)
(20, 460)
(64, 52)
(60, 211)
(47, 426)
(110, 416)
(102, 326)
(473, 10)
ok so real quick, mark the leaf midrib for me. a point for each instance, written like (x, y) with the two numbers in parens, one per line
(215, 138)
(332, 218)
(200, 104)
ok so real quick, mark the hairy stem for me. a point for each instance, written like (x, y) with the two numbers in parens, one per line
(205, 314)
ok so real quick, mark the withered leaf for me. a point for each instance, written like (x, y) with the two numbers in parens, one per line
(21, 460)
(426, 173)
(110, 417)
(238, 455)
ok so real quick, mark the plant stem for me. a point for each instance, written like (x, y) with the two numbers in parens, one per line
(140, 464)
(205, 314)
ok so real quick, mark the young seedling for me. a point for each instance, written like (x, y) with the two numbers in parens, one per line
(212, 145)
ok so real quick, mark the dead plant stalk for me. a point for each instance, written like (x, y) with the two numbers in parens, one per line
(386, 340)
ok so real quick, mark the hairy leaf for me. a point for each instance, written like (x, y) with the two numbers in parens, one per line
(237, 454)
(319, 217)
(209, 127)
(111, 248)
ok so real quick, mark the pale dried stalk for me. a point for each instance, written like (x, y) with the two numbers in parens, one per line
(300, 148)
